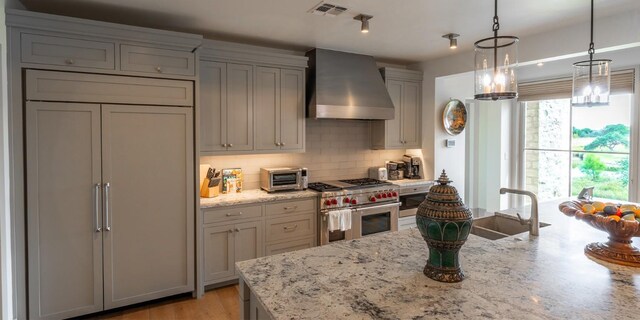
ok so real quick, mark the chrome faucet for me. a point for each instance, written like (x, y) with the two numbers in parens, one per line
(534, 221)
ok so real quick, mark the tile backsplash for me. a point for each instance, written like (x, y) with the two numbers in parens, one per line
(335, 149)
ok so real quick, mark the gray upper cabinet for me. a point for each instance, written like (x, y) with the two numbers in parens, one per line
(239, 107)
(63, 197)
(405, 130)
(157, 61)
(213, 102)
(251, 100)
(291, 125)
(280, 108)
(226, 123)
(70, 52)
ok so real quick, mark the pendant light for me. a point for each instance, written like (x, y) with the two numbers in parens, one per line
(591, 78)
(496, 60)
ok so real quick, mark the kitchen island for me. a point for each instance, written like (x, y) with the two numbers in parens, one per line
(380, 277)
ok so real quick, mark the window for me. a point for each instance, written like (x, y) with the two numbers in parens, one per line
(568, 148)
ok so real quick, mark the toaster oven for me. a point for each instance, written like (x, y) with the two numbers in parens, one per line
(282, 179)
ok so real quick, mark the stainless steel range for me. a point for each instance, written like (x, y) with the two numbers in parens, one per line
(372, 204)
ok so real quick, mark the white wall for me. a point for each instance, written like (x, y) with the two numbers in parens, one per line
(611, 33)
(459, 86)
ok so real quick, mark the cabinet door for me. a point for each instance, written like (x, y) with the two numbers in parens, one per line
(267, 108)
(292, 110)
(64, 244)
(411, 105)
(213, 106)
(148, 162)
(248, 240)
(239, 107)
(394, 127)
(218, 253)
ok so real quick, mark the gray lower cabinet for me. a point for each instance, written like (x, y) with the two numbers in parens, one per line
(109, 206)
(225, 245)
(237, 233)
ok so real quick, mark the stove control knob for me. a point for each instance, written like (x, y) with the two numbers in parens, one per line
(372, 199)
(395, 194)
(354, 201)
(346, 200)
(384, 195)
(334, 201)
(378, 196)
(327, 202)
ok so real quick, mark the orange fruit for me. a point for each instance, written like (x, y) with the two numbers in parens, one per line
(598, 205)
(614, 217)
(587, 208)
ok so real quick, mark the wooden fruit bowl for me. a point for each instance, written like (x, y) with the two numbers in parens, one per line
(618, 249)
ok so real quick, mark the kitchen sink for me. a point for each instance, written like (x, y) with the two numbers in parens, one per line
(499, 226)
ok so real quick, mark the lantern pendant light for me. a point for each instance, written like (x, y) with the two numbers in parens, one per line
(496, 60)
(591, 78)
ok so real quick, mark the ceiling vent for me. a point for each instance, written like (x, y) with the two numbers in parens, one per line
(327, 9)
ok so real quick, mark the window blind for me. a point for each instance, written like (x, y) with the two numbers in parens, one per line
(622, 81)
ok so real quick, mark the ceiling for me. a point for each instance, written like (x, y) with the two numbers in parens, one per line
(401, 31)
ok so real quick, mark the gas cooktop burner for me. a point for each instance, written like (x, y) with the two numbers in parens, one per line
(322, 187)
(365, 182)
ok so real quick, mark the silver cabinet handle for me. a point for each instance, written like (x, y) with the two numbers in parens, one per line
(282, 144)
(107, 187)
(290, 208)
(234, 214)
(159, 69)
(97, 208)
(230, 230)
(230, 145)
(237, 230)
(290, 227)
(224, 145)
(69, 61)
(278, 144)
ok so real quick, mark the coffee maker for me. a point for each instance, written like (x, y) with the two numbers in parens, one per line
(412, 167)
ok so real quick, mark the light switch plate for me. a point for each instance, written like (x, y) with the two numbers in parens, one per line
(450, 143)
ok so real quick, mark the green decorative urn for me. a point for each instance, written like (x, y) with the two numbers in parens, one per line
(444, 222)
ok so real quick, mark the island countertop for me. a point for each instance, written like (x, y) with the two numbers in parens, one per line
(380, 277)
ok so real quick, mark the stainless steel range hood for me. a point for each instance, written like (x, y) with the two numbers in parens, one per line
(344, 85)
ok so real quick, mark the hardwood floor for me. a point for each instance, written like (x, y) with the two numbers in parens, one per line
(217, 304)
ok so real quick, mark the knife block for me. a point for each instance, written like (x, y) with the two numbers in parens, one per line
(206, 192)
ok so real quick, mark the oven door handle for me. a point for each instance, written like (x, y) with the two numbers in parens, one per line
(376, 207)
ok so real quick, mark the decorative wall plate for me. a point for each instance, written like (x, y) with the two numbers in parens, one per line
(454, 117)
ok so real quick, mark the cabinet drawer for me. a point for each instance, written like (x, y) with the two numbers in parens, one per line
(292, 207)
(278, 248)
(231, 213)
(290, 227)
(157, 61)
(67, 52)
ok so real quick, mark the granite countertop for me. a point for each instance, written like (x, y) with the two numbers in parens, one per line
(254, 196)
(412, 182)
(380, 277)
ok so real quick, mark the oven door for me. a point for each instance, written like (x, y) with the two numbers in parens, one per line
(411, 199)
(376, 219)
(327, 236)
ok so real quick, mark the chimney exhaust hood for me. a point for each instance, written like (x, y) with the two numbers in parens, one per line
(343, 85)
